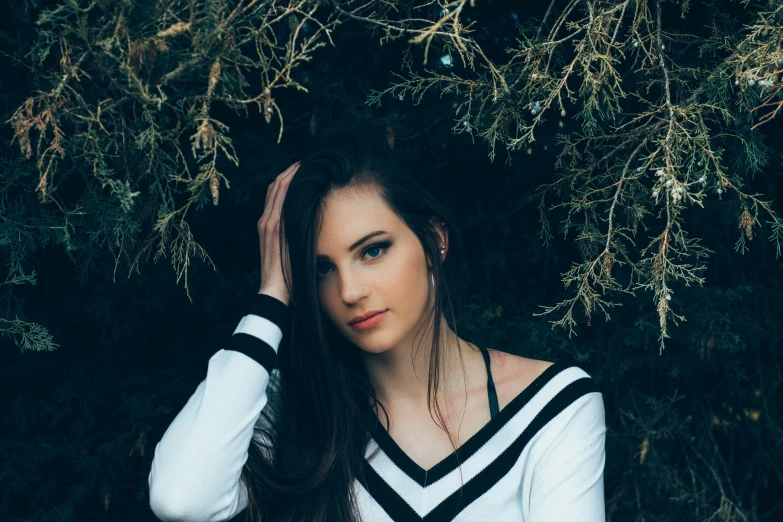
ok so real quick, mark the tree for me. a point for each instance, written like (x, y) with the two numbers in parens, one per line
(648, 122)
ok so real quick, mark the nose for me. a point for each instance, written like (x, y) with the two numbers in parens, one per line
(352, 289)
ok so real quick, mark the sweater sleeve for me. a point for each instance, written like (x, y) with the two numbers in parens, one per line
(196, 468)
(569, 479)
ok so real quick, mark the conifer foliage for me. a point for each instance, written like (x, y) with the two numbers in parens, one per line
(638, 135)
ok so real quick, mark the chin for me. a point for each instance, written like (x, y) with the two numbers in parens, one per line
(373, 350)
(373, 343)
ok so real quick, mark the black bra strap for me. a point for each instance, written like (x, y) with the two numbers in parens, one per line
(493, 396)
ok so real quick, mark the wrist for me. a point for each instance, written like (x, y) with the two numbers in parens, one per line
(279, 294)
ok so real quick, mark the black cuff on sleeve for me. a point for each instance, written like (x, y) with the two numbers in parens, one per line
(269, 308)
(255, 348)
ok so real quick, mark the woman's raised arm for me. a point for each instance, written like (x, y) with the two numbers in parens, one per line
(196, 468)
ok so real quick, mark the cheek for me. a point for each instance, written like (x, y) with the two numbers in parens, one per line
(329, 303)
(401, 282)
(411, 282)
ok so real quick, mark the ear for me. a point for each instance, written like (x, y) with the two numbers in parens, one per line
(443, 238)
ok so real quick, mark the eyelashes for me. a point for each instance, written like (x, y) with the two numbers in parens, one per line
(381, 245)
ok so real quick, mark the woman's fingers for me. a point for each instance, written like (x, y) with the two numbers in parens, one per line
(269, 226)
(282, 189)
(272, 191)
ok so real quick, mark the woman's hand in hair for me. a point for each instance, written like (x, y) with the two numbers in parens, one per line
(272, 281)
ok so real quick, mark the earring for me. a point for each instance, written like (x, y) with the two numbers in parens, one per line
(442, 251)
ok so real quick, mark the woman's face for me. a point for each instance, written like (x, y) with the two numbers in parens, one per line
(387, 271)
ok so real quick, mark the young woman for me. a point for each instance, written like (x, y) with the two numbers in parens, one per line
(309, 413)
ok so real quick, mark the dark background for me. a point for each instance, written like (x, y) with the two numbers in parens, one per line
(80, 424)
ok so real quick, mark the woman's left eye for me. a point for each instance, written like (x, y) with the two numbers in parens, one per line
(382, 246)
(378, 246)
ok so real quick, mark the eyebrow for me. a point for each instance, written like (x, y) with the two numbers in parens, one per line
(354, 246)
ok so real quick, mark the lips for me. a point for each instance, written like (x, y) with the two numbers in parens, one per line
(364, 317)
(371, 323)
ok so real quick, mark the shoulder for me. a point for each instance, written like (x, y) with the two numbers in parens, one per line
(512, 374)
(517, 372)
(516, 367)
(562, 390)
(571, 435)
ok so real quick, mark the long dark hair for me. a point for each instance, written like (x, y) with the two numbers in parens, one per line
(310, 442)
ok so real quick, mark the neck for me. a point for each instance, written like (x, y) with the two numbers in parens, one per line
(400, 375)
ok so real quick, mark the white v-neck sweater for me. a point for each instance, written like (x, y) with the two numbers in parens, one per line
(540, 459)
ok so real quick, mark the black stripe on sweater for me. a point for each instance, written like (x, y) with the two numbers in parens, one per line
(258, 350)
(270, 308)
(391, 502)
(470, 446)
(398, 509)
(273, 310)
(498, 468)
